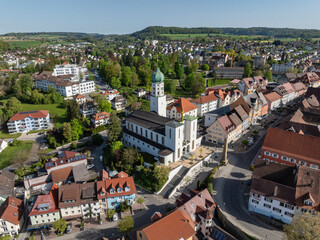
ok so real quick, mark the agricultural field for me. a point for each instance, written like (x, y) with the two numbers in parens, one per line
(23, 43)
(13, 152)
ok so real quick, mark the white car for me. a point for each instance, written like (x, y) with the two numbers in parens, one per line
(101, 158)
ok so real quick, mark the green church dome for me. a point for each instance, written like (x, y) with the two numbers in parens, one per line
(157, 76)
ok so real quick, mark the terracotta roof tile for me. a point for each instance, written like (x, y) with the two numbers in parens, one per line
(32, 114)
(61, 175)
(12, 210)
(205, 99)
(182, 105)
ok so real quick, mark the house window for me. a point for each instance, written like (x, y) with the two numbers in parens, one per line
(275, 155)
(267, 205)
(288, 214)
(146, 132)
(289, 206)
(276, 210)
(255, 201)
(256, 195)
(267, 153)
(284, 158)
(292, 160)
(268, 199)
(313, 166)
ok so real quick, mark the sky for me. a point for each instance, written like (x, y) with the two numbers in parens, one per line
(128, 16)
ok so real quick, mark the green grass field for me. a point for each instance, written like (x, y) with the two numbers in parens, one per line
(188, 36)
(57, 111)
(9, 153)
(23, 43)
(218, 82)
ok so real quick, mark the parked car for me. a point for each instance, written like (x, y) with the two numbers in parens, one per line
(101, 158)
(69, 228)
(90, 166)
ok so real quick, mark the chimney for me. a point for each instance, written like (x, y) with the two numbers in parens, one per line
(275, 192)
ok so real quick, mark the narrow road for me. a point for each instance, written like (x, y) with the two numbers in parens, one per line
(229, 189)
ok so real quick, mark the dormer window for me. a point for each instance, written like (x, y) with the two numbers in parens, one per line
(102, 193)
(119, 190)
(112, 191)
(127, 189)
(308, 202)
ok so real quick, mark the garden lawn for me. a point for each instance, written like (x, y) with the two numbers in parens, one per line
(57, 111)
(218, 82)
(8, 153)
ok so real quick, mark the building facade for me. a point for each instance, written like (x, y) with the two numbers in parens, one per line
(27, 121)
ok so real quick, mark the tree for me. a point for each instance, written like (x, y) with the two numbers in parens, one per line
(73, 110)
(13, 105)
(257, 73)
(128, 159)
(205, 67)
(304, 227)
(292, 70)
(25, 82)
(134, 79)
(110, 213)
(126, 224)
(97, 139)
(67, 132)
(115, 129)
(247, 70)
(112, 70)
(179, 70)
(140, 201)
(115, 83)
(5, 237)
(20, 157)
(104, 106)
(60, 225)
(115, 146)
(170, 85)
(126, 76)
(268, 75)
(210, 188)
(36, 97)
(77, 129)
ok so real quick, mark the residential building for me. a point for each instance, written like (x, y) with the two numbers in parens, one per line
(113, 191)
(180, 108)
(99, 119)
(44, 209)
(88, 108)
(66, 85)
(110, 94)
(66, 69)
(291, 148)
(299, 89)
(282, 192)
(90, 206)
(27, 121)
(118, 103)
(309, 79)
(259, 60)
(80, 99)
(69, 201)
(174, 226)
(11, 216)
(250, 85)
(7, 182)
(221, 129)
(229, 72)
(225, 96)
(282, 67)
(287, 93)
(140, 92)
(206, 104)
(274, 100)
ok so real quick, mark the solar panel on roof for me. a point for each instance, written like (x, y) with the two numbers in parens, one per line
(43, 205)
(219, 235)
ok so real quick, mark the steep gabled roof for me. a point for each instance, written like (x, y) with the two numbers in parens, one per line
(182, 105)
(12, 210)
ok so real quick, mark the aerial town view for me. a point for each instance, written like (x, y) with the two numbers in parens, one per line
(168, 120)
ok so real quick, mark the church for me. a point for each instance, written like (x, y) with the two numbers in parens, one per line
(152, 132)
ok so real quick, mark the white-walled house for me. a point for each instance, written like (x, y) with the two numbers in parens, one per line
(11, 216)
(206, 104)
(180, 108)
(27, 121)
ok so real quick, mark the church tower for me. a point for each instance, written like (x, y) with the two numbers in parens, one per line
(158, 101)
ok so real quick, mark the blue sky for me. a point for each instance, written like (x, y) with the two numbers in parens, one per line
(127, 16)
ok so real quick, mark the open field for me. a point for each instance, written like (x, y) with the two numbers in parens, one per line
(10, 152)
(23, 43)
(218, 82)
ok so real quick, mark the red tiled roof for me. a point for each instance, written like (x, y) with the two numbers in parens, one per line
(175, 226)
(116, 182)
(61, 175)
(12, 210)
(48, 198)
(293, 144)
(32, 114)
(205, 99)
(272, 97)
(101, 115)
(182, 104)
(78, 96)
(225, 123)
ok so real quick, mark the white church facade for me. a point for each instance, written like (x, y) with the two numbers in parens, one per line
(165, 138)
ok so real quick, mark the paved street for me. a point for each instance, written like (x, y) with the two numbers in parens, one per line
(229, 188)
